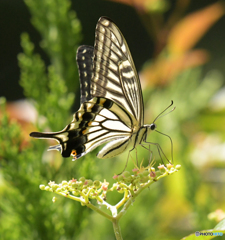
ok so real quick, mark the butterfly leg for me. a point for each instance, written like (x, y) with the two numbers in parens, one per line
(159, 151)
(126, 162)
(150, 152)
(136, 156)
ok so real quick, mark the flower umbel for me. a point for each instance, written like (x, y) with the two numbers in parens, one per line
(130, 185)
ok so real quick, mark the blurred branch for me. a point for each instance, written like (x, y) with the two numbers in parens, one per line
(61, 33)
(187, 32)
(49, 90)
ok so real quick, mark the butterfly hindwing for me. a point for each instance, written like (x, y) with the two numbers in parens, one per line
(85, 66)
(96, 122)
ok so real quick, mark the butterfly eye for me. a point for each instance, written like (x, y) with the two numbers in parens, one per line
(153, 126)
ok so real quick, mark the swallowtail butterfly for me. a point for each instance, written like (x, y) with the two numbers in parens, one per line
(111, 100)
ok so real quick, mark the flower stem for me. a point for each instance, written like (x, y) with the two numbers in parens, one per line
(117, 229)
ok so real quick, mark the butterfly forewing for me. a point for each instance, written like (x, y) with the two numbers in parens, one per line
(115, 76)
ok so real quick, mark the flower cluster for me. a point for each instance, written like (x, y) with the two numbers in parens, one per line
(83, 190)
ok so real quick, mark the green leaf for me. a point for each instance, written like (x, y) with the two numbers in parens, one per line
(219, 230)
(220, 226)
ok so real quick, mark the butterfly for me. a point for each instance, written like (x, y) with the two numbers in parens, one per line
(112, 109)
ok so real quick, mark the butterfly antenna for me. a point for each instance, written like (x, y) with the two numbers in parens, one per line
(160, 115)
(170, 142)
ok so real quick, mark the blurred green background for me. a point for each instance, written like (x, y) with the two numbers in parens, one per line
(179, 51)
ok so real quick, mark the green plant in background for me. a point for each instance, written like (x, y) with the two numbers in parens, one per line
(170, 209)
(46, 89)
(60, 30)
(25, 214)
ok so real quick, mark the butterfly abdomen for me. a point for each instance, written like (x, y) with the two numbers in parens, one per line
(114, 148)
(118, 146)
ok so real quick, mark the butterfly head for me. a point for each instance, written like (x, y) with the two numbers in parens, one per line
(152, 126)
(147, 128)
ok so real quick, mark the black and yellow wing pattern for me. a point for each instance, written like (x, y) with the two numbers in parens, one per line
(111, 99)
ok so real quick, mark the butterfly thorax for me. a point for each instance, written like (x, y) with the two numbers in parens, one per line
(148, 128)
